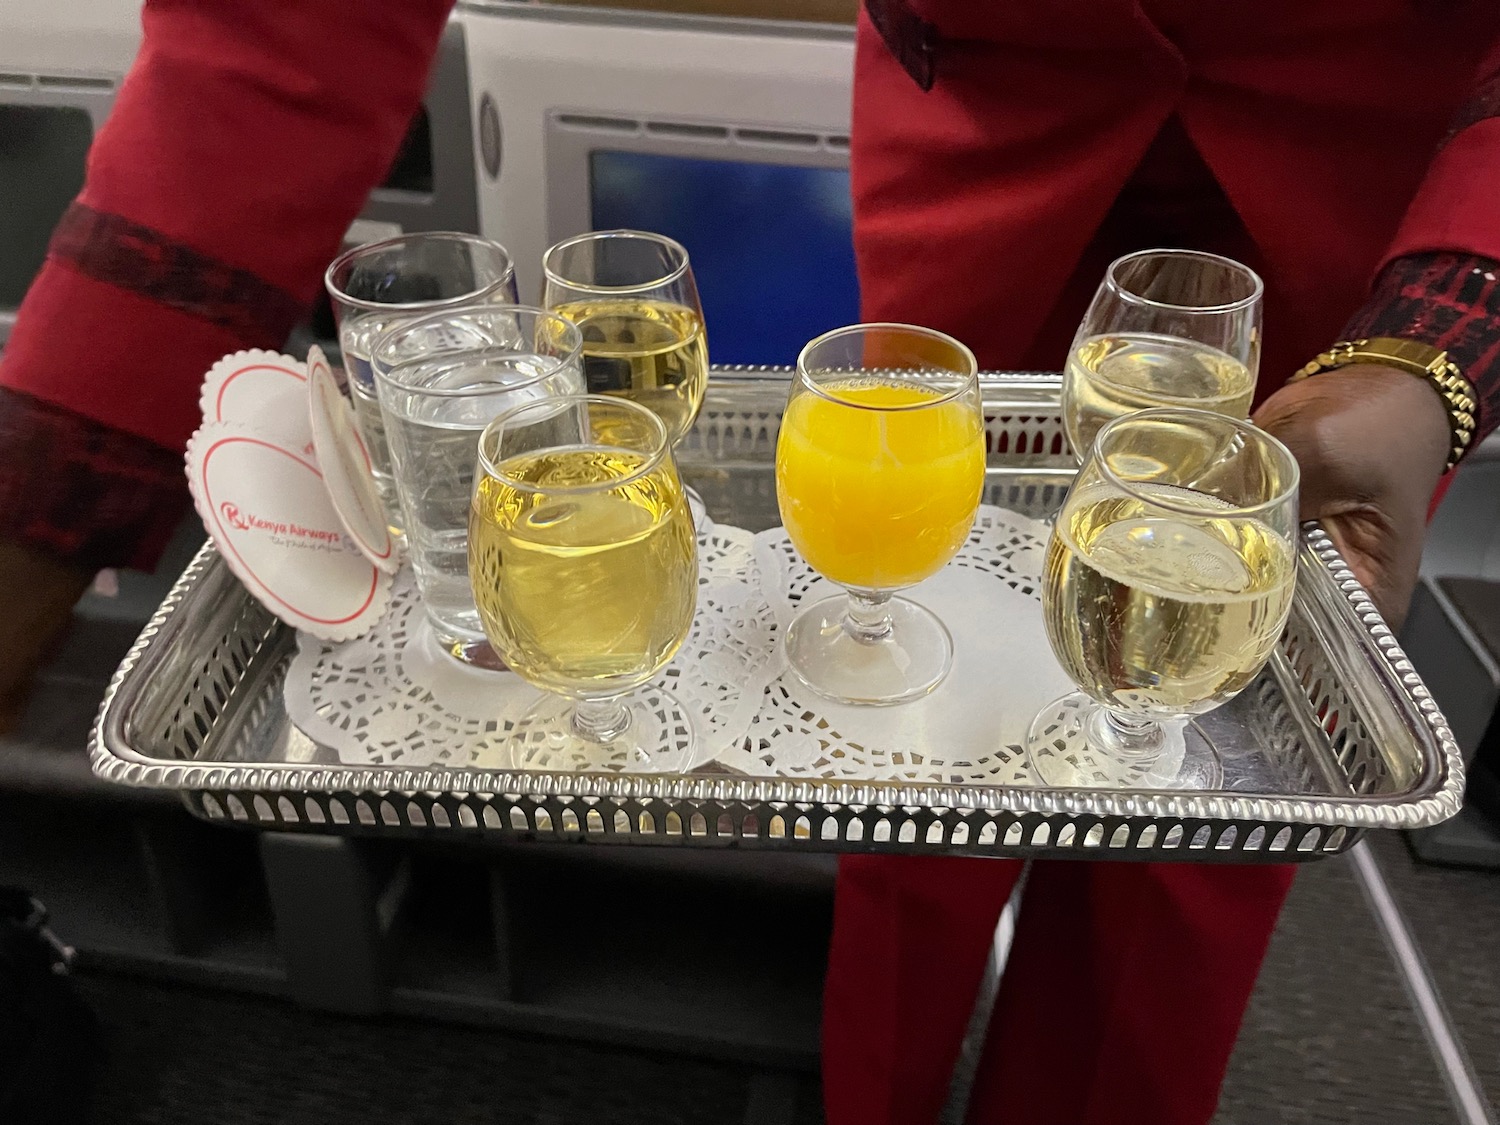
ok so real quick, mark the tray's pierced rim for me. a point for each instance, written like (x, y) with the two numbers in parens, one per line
(1438, 797)
(1445, 784)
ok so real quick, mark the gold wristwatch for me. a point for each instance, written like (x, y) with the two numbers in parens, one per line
(1422, 360)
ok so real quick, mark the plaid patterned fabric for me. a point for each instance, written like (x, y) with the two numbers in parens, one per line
(1451, 301)
(82, 491)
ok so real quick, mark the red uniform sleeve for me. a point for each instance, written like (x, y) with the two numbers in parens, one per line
(1457, 207)
(1440, 282)
(245, 139)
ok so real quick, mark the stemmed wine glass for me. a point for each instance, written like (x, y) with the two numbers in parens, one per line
(879, 473)
(1166, 328)
(634, 299)
(1169, 576)
(584, 565)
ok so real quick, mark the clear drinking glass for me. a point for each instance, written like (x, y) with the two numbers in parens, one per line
(633, 296)
(879, 473)
(442, 379)
(1169, 576)
(584, 563)
(378, 286)
(1166, 328)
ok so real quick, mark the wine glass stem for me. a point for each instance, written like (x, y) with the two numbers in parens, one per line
(867, 617)
(600, 720)
(1125, 737)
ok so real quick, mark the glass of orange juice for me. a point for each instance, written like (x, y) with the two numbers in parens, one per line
(879, 471)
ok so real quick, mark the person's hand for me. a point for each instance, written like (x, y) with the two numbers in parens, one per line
(37, 594)
(1372, 442)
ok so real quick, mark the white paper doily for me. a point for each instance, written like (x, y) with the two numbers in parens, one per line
(393, 698)
(971, 729)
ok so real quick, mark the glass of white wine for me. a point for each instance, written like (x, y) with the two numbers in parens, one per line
(584, 565)
(633, 296)
(1169, 577)
(1166, 328)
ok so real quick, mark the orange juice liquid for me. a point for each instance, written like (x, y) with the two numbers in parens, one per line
(878, 498)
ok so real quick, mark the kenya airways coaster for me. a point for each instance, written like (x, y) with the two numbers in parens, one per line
(265, 505)
(266, 391)
(346, 467)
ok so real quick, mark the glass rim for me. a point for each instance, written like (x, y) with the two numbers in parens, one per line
(671, 244)
(661, 448)
(387, 373)
(1257, 286)
(1293, 471)
(364, 305)
(968, 379)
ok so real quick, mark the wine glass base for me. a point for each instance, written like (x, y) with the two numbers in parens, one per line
(1064, 756)
(661, 738)
(907, 663)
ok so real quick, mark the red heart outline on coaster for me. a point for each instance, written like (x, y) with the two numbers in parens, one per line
(260, 389)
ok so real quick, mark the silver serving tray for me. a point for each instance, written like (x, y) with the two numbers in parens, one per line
(1337, 736)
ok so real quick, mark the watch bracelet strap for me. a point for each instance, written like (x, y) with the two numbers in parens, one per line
(1421, 360)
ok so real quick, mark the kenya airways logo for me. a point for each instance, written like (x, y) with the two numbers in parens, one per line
(242, 521)
(232, 517)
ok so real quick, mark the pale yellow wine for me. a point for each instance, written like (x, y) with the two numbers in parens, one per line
(1163, 614)
(651, 352)
(1108, 376)
(585, 593)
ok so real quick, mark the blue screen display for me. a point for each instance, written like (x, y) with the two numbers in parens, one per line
(771, 244)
